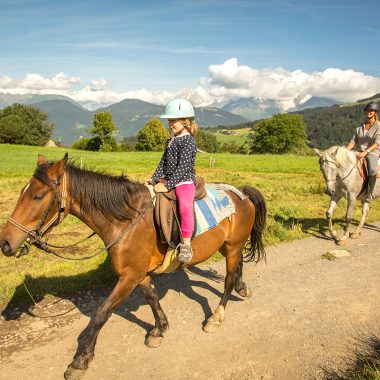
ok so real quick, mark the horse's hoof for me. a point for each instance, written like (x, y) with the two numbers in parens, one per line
(74, 373)
(211, 326)
(215, 320)
(341, 242)
(153, 341)
(246, 292)
(355, 235)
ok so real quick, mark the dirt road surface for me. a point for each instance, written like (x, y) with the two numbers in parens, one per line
(307, 315)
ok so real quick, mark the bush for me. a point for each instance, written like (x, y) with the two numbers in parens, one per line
(89, 143)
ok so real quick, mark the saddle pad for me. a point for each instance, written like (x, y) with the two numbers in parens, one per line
(212, 209)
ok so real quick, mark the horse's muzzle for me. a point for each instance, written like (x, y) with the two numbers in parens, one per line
(329, 192)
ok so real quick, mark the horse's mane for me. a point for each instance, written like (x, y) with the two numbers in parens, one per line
(342, 156)
(107, 194)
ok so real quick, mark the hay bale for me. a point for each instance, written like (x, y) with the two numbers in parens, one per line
(51, 144)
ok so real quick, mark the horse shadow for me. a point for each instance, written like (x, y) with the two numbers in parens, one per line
(87, 301)
(316, 227)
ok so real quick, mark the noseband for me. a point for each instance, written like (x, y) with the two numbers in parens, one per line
(336, 179)
(37, 232)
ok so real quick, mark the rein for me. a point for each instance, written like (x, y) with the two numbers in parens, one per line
(337, 165)
(34, 235)
(46, 247)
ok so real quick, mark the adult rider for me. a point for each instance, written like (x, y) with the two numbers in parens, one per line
(366, 142)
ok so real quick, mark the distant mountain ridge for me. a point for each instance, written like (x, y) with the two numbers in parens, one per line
(326, 121)
(254, 108)
(72, 120)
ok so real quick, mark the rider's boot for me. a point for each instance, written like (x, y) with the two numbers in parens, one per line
(185, 252)
(370, 188)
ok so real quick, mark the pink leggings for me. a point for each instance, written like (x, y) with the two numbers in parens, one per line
(185, 195)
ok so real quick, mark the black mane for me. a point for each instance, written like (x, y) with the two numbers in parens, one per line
(109, 195)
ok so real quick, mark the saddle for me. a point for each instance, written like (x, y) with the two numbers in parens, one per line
(363, 169)
(166, 214)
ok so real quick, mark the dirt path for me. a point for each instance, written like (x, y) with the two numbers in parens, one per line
(306, 316)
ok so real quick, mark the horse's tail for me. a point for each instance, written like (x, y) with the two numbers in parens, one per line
(254, 249)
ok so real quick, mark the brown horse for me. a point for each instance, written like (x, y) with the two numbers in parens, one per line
(120, 211)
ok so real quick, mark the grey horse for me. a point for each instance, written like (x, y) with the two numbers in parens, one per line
(339, 168)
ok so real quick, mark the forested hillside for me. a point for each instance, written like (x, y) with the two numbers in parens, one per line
(328, 126)
(325, 126)
(335, 125)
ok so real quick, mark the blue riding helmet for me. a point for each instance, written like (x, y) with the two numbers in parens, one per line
(178, 109)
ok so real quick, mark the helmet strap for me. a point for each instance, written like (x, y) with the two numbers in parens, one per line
(179, 132)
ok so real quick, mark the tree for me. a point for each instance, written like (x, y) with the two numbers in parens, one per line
(206, 141)
(105, 130)
(21, 124)
(152, 137)
(129, 144)
(279, 134)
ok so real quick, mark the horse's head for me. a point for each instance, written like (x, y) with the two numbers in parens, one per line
(334, 163)
(40, 206)
(329, 168)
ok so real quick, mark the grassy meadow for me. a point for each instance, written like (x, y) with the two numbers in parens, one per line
(292, 186)
(233, 135)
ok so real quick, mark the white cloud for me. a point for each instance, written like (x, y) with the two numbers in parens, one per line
(37, 82)
(6, 82)
(228, 80)
(231, 80)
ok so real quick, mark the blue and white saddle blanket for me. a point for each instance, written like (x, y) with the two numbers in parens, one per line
(216, 206)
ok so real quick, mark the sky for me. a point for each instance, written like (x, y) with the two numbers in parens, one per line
(205, 50)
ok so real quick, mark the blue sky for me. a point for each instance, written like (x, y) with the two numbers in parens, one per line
(121, 47)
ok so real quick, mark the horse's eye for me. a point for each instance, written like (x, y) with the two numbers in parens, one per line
(38, 197)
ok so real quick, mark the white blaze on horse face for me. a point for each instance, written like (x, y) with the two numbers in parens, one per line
(329, 172)
(25, 189)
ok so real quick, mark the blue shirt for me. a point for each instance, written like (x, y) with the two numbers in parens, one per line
(178, 161)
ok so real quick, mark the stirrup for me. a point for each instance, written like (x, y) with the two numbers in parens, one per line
(185, 253)
(368, 198)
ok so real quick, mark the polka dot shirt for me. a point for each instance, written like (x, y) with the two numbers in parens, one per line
(178, 161)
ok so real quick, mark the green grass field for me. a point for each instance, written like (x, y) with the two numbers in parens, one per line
(234, 135)
(292, 186)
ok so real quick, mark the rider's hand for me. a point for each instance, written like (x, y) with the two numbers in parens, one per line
(148, 182)
(360, 155)
(160, 188)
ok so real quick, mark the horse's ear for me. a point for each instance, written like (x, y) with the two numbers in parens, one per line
(318, 152)
(58, 168)
(41, 159)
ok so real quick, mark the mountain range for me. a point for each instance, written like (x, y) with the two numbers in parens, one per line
(72, 120)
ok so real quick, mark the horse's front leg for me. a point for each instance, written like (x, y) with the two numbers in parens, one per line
(87, 338)
(155, 336)
(217, 318)
(350, 207)
(333, 202)
(358, 230)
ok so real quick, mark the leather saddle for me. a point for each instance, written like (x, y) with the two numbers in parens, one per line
(166, 214)
(363, 169)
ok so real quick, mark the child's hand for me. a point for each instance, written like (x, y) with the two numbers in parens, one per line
(148, 182)
(160, 188)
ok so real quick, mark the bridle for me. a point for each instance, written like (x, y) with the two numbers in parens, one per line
(337, 180)
(34, 235)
